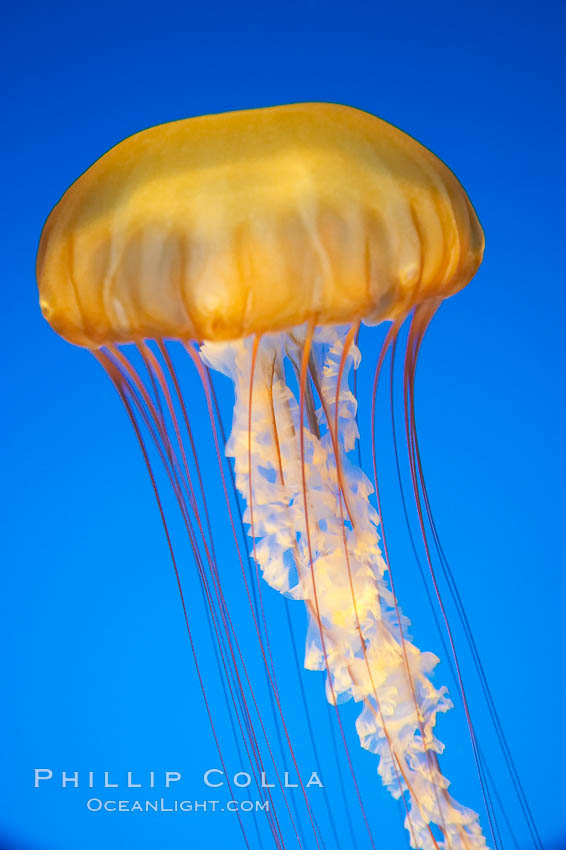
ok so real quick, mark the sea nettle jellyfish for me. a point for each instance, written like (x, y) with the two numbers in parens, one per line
(260, 240)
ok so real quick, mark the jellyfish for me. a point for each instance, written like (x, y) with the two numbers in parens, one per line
(259, 241)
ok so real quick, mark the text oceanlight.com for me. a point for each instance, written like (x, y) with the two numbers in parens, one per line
(97, 782)
(97, 805)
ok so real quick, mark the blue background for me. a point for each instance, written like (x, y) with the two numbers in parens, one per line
(96, 668)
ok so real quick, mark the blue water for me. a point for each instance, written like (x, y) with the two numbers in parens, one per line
(97, 672)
